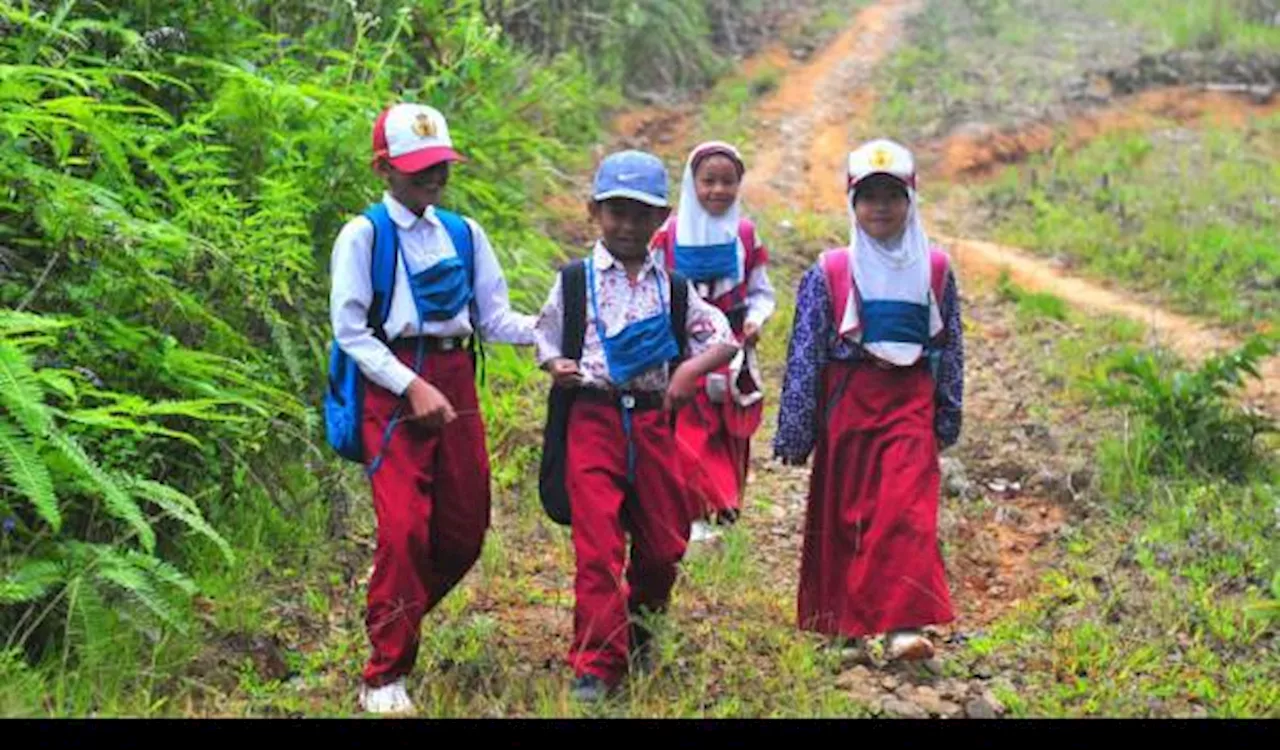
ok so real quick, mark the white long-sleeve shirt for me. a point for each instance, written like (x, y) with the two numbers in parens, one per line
(423, 243)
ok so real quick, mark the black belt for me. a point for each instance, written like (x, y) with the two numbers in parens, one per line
(433, 344)
(640, 400)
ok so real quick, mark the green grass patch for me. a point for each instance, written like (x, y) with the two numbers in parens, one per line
(1191, 219)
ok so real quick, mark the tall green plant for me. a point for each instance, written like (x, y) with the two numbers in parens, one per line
(72, 523)
(1195, 427)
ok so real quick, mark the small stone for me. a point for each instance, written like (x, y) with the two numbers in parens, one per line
(928, 699)
(991, 700)
(979, 709)
(982, 671)
(889, 683)
(905, 691)
(935, 666)
(866, 696)
(949, 710)
(852, 677)
(904, 709)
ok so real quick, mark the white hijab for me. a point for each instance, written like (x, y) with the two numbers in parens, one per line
(896, 269)
(695, 226)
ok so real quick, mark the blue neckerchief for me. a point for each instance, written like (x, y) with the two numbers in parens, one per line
(707, 263)
(636, 349)
(895, 321)
(441, 291)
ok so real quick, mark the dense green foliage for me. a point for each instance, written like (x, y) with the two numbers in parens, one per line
(174, 175)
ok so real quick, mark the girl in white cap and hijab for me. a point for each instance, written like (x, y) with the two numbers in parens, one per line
(873, 387)
(712, 243)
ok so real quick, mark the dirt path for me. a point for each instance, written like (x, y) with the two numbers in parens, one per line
(818, 111)
(821, 108)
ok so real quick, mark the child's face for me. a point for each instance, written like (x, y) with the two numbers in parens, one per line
(881, 206)
(716, 182)
(416, 190)
(627, 225)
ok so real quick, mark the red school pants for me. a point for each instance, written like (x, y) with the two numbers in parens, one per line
(431, 498)
(609, 589)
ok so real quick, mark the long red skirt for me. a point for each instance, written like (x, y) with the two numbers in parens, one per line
(871, 562)
(715, 462)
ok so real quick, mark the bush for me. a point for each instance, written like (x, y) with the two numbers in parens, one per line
(1193, 426)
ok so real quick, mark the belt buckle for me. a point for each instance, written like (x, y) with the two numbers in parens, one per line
(628, 401)
(448, 344)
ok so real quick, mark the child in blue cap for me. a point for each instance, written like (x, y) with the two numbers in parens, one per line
(622, 469)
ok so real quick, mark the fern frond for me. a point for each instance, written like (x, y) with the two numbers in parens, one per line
(20, 392)
(118, 502)
(181, 507)
(14, 323)
(133, 581)
(29, 473)
(29, 582)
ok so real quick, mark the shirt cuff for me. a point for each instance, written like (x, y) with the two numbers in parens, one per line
(400, 378)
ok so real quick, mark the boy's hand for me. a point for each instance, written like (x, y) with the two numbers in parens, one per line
(428, 405)
(681, 390)
(751, 334)
(564, 372)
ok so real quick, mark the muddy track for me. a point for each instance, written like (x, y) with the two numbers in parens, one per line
(822, 108)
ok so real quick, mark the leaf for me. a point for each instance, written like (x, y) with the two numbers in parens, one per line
(20, 391)
(30, 582)
(118, 502)
(180, 507)
(131, 579)
(29, 474)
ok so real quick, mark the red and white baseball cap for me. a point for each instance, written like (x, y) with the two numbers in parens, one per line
(413, 137)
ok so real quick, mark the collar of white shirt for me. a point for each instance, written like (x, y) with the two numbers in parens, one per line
(403, 217)
(604, 260)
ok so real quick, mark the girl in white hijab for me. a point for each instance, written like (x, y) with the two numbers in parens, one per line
(873, 387)
(717, 248)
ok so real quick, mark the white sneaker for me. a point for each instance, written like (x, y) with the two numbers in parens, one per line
(702, 532)
(909, 645)
(388, 699)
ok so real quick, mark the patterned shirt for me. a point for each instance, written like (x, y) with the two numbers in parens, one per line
(622, 302)
(814, 343)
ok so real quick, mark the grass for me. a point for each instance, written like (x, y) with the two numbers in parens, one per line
(1165, 600)
(1190, 219)
(987, 60)
(727, 111)
(1242, 25)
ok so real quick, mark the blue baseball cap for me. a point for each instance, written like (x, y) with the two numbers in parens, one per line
(632, 174)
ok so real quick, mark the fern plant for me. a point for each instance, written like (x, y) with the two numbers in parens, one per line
(72, 524)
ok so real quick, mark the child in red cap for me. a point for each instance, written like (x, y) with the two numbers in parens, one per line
(408, 313)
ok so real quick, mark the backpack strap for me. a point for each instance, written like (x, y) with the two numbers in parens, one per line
(839, 274)
(680, 312)
(573, 303)
(382, 266)
(747, 232)
(459, 230)
(939, 268)
(668, 244)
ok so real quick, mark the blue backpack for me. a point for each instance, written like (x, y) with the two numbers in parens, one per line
(344, 396)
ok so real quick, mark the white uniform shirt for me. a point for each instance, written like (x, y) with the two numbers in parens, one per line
(423, 243)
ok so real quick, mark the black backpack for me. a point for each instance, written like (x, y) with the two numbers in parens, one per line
(555, 433)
